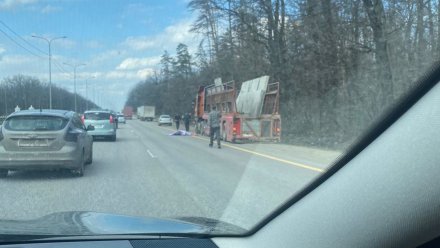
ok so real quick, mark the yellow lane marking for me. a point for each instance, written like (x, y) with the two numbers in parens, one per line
(308, 167)
(268, 156)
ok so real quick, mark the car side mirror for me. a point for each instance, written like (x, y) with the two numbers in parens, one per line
(90, 128)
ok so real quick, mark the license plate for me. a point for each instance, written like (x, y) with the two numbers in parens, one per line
(33, 143)
(99, 126)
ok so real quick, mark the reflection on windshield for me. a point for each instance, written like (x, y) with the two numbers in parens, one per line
(231, 107)
(42, 123)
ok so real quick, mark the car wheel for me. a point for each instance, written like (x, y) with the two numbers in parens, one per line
(3, 173)
(113, 138)
(90, 158)
(79, 172)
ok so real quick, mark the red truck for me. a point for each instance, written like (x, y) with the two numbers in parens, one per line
(128, 112)
(251, 114)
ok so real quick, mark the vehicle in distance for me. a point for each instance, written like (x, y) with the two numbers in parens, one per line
(146, 113)
(104, 123)
(121, 118)
(165, 120)
(45, 140)
(128, 112)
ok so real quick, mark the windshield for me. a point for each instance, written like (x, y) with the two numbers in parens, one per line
(97, 116)
(35, 123)
(264, 96)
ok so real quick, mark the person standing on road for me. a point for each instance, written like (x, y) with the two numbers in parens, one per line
(177, 120)
(186, 120)
(214, 126)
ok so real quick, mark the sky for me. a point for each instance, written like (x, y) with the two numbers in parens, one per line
(119, 41)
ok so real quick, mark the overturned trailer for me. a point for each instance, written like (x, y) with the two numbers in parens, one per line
(251, 114)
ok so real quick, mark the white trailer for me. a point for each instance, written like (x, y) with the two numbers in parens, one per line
(146, 113)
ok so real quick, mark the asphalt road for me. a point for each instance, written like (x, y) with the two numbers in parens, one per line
(147, 172)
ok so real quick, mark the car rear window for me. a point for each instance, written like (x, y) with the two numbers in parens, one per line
(97, 116)
(165, 116)
(35, 123)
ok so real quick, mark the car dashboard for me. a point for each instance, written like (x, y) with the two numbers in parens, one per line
(121, 243)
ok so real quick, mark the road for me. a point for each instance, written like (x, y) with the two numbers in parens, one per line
(147, 172)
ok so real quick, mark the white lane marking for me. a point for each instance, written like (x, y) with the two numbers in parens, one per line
(151, 154)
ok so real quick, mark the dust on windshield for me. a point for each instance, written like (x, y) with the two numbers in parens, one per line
(262, 97)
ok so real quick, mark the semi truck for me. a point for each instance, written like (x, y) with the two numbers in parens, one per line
(146, 113)
(128, 112)
(248, 115)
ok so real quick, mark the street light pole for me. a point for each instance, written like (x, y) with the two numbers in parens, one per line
(74, 80)
(49, 42)
(87, 94)
(87, 98)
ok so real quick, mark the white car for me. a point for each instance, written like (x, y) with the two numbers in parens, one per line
(121, 118)
(165, 120)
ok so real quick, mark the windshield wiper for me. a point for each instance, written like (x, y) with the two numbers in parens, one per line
(13, 238)
(28, 238)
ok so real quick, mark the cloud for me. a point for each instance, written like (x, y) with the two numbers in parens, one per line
(139, 43)
(136, 63)
(130, 75)
(180, 32)
(120, 75)
(66, 43)
(167, 40)
(145, 73)
(10, 4)
(16, 60)
(50, 9)
(107, 55)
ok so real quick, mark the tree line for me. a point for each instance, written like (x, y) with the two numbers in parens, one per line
(340, 63)
(24, 91)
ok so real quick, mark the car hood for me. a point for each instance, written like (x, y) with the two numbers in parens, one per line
(78, 223)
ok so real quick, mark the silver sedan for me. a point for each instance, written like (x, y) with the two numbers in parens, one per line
(44, 140)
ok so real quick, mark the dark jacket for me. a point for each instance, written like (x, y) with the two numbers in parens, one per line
(186, 118)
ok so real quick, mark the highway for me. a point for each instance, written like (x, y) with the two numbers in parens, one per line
(147, 172)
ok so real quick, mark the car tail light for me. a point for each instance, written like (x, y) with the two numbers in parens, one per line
(111, 118)
(82, 119)
(71, 135)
